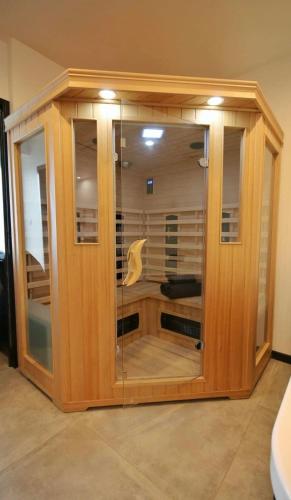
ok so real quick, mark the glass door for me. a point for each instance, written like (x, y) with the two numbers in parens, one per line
(160, 177)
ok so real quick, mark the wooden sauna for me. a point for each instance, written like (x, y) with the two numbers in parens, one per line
(188, 170)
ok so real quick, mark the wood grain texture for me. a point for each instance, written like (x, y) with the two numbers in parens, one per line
(83, 276)
(240, 93)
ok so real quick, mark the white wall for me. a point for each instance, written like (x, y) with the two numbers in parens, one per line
(23, 72)
(29, 71)
(275, 80)
(86, 193)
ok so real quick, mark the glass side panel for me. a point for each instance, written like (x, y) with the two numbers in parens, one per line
(86, 190)
(34, 201)
(265, 248)
(160, 191)
(231, 183)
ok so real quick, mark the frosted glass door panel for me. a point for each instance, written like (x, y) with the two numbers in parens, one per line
(34, 204)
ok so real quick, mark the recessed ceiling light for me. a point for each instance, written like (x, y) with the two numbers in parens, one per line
(107, 94)
(152, 133)
(149, 143)
(78, 178)
(215, 101)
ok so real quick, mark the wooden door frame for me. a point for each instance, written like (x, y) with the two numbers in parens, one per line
(264, 353)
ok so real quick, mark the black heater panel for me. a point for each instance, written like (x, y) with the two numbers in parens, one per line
(184, 326)
(128, 324)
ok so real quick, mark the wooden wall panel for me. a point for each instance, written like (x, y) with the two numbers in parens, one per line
(227, 342)
(83, 275)
(88, 267)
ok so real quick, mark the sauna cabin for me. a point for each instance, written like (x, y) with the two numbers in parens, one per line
(144, 212)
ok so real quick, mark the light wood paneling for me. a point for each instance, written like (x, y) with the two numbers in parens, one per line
(82, 276)
(72, 80)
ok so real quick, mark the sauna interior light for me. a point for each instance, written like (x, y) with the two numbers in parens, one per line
(149, 143)
(215, 101)
(107, 94)
(152, 133)
(78, 177)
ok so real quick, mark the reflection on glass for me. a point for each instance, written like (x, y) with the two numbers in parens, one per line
(265, 241)
(159, 318)
(34, 201)
(232, 161)
(85, 147)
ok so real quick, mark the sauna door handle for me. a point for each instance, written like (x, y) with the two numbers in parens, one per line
(134, 262)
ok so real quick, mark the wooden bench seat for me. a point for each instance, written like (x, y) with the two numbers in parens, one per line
(146, 300)
(149, 290)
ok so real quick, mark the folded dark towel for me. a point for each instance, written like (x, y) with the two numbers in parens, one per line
(181, 290)
(181, 278)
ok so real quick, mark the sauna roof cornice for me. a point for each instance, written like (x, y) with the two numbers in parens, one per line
(163, 90)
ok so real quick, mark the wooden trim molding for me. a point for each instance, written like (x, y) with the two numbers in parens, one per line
(140, 82)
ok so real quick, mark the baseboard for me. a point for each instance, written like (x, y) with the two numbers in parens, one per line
(280, 356)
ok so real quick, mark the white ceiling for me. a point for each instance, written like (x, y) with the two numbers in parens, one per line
(220, 38)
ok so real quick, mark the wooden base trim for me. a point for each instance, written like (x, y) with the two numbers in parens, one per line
(262, 363)
(281, 356)
(159, 381)
(37, 375)
(84, 405)
(265, 348)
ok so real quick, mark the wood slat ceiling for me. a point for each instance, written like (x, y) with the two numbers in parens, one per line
(172, 150)
(159, 98)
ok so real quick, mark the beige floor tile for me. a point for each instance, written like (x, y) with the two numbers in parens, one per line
(278, 376)
(197, 450)
(187, 452)
(27, 418)
(249, 472)
(3, 361)
(75, 465)
(112, 423)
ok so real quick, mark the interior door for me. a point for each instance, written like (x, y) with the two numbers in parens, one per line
(161, 181)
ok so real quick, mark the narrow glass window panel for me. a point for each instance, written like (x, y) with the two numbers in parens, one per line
(36, 249)
(231, 184)
(265, 241)
(86, 188)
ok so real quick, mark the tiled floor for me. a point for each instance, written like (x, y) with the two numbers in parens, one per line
(197, 450)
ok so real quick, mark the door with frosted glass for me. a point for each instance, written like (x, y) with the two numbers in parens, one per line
(36, 249)
(160, 172)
